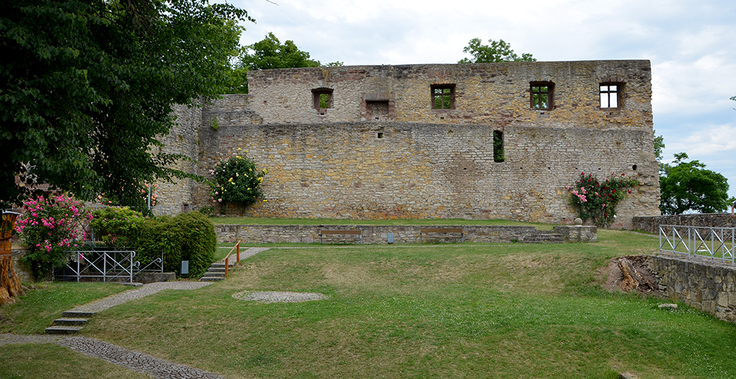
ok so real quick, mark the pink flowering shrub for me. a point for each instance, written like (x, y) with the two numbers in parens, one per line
(597, 201)
(51, 226)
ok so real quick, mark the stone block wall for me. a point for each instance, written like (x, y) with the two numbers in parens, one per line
(177, 196)
(380, 151)
(651, 224)
(707, 287)
(428, 170)
(23, 271)
(376, 234)
(577, 233)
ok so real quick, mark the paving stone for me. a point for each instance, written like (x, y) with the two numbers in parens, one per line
(156, 367)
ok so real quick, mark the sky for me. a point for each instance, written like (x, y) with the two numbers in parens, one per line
(691, 45)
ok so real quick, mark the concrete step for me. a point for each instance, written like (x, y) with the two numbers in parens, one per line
(63, 329)
(211, 278)
(77, 314)
(544, 238)
(70, 321)
(216, 269)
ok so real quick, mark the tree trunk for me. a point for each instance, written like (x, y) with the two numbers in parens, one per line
(9, 282)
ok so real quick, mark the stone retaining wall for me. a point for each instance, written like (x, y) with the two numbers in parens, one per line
(23, 271)
(701, 285)
(651, 224)
(378, 234)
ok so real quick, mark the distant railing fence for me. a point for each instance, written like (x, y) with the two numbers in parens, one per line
(107, 265)
(716, 243)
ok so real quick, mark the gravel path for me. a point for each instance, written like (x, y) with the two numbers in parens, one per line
(143, 291)
(158, 368)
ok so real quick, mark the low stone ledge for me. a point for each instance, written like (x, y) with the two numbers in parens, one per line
(153, 277)
(577, 233)
(379, 234)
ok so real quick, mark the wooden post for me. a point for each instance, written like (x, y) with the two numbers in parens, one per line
(9, 282)
(227, 264)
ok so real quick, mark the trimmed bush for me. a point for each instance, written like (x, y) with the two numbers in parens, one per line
(187, 236)
(117, 227)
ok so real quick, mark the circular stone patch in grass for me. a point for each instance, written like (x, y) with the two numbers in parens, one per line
(278, 297)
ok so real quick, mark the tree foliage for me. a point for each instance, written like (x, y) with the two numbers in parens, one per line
(688, 186)
(496, 51)
(87, 85)
(269, 53)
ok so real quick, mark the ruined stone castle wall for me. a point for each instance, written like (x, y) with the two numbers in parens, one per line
(379, 150)
(177, 196)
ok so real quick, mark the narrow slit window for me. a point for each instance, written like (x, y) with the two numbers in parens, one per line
(498, 153)
(443, 97)
(609, 95)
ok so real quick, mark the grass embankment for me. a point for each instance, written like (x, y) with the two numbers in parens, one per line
(474, 311)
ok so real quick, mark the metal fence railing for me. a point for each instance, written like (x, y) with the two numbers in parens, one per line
(107, 265)
(716, 243)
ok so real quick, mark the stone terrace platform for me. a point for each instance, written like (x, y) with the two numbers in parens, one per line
(379, 234)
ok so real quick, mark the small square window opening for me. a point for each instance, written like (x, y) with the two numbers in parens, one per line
(609, 95)
(322, 98)
(443, 97)
(541, 95)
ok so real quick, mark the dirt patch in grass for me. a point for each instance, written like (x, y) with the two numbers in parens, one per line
(617, 278)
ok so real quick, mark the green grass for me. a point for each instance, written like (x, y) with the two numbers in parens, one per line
(36, 310)
(330, 221)
(408, 311)
(41, 361)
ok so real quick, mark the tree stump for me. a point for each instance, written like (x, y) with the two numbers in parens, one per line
(10, 286)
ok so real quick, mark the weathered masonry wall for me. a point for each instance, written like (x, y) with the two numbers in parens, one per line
(378, 234)
(709, 288)
(380, 150)
(651, 224)
(425, 170)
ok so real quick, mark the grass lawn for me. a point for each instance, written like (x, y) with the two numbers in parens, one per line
(433, 311)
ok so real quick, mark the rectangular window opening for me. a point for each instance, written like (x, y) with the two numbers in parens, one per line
(322, 98)
(498, 153)
(542, 95)
(443, 96)
(610, 95)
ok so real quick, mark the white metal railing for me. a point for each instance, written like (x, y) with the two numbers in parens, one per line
(107, 265)
(716, 243)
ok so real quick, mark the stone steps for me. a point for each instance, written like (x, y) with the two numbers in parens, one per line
(67, 325)
(63, 329)
(216, 272)
(543, 238)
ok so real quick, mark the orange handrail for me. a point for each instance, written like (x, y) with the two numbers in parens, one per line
(227, 258)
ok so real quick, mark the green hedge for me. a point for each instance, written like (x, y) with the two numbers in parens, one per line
(185, 237)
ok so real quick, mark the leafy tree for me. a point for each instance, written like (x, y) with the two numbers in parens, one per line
(497, 51)
(87, 85)
(269, 53)
(689, 186)
(658, 146)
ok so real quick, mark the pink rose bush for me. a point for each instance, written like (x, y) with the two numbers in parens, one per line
(51, 226)
(597, 201)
